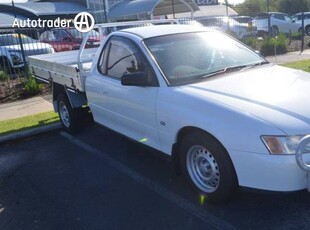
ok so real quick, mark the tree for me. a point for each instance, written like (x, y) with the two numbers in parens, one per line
(250, 7)
(254, 7)
(293, 6)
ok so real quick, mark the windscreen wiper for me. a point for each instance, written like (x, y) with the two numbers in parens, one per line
(233, 69)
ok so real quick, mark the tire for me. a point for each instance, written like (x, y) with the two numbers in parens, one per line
(307, 30)
(5, 65)
(274, 31)
(68, 116)
(208, 167)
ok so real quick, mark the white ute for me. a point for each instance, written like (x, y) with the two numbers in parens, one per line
(225, 115)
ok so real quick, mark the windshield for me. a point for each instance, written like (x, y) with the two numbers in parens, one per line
(189, 57)
(12, 39)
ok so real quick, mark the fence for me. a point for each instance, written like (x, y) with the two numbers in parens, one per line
(16, 45)
(271, 33)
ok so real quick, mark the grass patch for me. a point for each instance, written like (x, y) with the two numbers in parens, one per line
(23, 123)
(302, 65)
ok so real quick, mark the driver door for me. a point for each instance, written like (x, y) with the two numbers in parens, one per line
(130, 110)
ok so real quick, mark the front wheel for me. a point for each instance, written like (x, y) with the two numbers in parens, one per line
(6, 66)
(208, 167)
(68, 116)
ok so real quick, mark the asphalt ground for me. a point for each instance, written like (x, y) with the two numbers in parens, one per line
(98, 179)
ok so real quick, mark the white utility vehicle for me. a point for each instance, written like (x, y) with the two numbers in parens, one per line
(226, 116)
(279, 23)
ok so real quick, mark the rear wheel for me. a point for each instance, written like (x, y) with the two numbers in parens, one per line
(307, 30)
(208, 167)
(68, 115)
(274, 31)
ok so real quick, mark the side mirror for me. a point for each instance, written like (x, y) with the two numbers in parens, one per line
(135, 79)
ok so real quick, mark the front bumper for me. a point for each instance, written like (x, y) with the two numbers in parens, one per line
(269, 172)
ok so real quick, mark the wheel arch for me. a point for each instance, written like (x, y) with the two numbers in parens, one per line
(76, 99)
(175, 148)
(181, 134)
(57, 89)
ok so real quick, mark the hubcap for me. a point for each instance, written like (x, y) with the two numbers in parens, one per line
(203, 168)
(64, 114)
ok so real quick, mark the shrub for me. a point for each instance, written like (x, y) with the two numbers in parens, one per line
(32, 87)
(251, 42)
(295, 36)
(272, 46)
(4, 76)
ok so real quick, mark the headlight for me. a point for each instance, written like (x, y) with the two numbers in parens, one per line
(283, 144)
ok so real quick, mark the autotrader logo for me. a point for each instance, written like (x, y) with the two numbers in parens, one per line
(84, 22)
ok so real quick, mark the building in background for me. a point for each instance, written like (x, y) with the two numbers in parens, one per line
(39, 9)
(111, 10)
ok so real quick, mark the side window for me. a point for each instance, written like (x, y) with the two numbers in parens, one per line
(46, 36)
(288, 19)
(121, 56)
(60, 35)
(299, 17)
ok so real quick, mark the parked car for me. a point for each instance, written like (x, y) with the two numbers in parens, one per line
(11, 52)
(231, 26)
(183, 21)
(298, 19)
(279, 23)
(68, 39)
(186, 21)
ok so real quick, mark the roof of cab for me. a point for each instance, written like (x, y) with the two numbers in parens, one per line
(160, 30)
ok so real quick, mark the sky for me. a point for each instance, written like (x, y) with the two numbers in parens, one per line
(235, 1)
